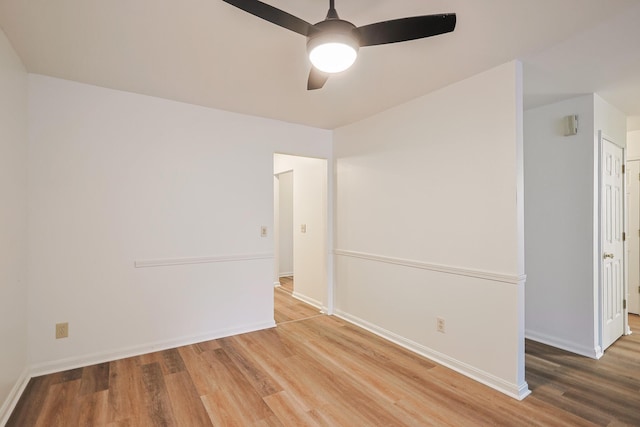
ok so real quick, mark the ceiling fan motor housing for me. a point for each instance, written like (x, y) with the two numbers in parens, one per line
(333, 31)
(333, 46)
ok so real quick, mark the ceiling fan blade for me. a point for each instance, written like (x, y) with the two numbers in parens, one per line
(274, 15)
(317, 79)
(400, 30)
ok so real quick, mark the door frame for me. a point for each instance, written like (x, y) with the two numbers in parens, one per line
(598, 227)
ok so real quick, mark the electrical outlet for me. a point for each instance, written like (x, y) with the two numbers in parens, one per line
(440, 325)
(62, 330)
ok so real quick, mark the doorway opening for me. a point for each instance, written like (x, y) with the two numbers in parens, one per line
(300, 236)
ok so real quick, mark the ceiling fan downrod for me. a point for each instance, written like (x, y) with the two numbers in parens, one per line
(332, 13)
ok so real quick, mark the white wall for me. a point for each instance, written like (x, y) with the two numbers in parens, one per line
(428, 207)
(117, 178)
(560, 212)
(633, 145)
(285, 199)
(13, 224)
(610, 120)
(309, 208)
(633, 123)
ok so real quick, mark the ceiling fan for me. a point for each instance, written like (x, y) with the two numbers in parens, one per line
(333, 44)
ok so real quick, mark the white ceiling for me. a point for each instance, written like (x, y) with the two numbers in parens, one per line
(209, 53)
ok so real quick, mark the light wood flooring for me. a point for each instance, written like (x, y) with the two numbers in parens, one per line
(286, 284)
(287, 308)
(322, 371)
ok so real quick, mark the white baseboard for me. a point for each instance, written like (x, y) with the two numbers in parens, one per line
(92, 359)
(14, 395)
(517, 391)
(286, 274)
(572, 347)
(276, 284)
(317, 304)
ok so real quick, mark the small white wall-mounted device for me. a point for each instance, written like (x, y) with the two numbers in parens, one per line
(570, 125)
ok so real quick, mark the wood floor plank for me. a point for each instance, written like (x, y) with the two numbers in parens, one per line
(185, 401)
(288, 411)
(201, 372)
(156, 396)
(224, 411)
(172, 361)
(59, 405)
(268, 344)
(260, 380)
(239, 398)
(94, 379)
(92, 410)
(127, 394)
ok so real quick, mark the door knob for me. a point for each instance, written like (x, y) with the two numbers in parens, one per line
(606, 255)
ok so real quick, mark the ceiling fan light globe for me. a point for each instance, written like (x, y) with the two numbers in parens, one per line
(333, 57)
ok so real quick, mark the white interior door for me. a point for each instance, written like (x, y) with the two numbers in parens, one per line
(633, 239)
(612, 289)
